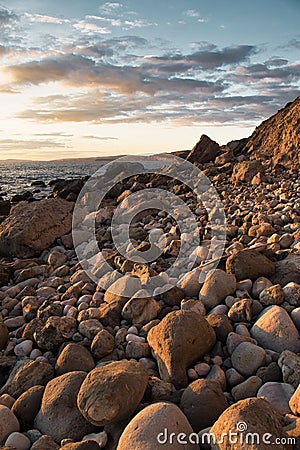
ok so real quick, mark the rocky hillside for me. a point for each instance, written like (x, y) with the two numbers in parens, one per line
(277, 139)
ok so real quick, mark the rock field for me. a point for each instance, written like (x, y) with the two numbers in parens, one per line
(83, 366)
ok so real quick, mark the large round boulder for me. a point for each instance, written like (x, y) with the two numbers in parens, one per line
(111, 393)
(59, 415)
(159, 425)
(178, 341)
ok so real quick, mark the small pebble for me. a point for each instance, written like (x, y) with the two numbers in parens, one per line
(19, 441)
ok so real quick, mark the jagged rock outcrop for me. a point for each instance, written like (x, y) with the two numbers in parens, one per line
(204, 151)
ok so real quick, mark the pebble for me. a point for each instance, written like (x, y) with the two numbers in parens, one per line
(273, 295)
(217, 374)
(278, 394)
(24, 348)
(19, 441)
(14, 322)
(134, 338)
(8, 423)
(233, 377)
(259, 285)
(248, 388)
(234, 339)
(202, 369)
(7, 400)
(100, 438)
(295, 316)
(133, 330)
(247, 358)
(242, 330)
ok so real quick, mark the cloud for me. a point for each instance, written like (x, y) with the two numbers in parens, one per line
(30, 144)
(110, 7)
(101, 138)
(58, 133)
(126, 24)
(110, 21)
(275, 61)
(90, 28)
(208, 58)
(77, 70)
(45, 19)
(7, 17)
(254, 73)
(185, 111)
(191, 13)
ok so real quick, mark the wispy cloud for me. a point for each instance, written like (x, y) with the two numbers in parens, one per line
(90, 28)
(30, 144)
(45, 19)
(110, 7)
(101, 138)
(191, 13)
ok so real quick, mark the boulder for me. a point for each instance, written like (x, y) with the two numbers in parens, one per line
(275, 330)
(273, 295)
(203, 401)
(160, 424)
(26, 407)
(287, 270)
(32, 227)
(253, 415)
(74, 357)
(218, 284)
(204, 151)
(292, 293)
(221, 325)
(180, 339)
(191, 283)
(67, 189)
(122, 290)
(59, 415)
(111, 393)
(103, 344)
(141, 308)
(245, 171)
(26, 374)
(289, 363)
(249, 263)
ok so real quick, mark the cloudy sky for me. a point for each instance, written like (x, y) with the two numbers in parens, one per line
(86, 78)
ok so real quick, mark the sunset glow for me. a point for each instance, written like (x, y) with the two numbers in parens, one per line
(80, 79)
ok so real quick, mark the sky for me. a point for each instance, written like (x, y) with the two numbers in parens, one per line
(96, 78)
